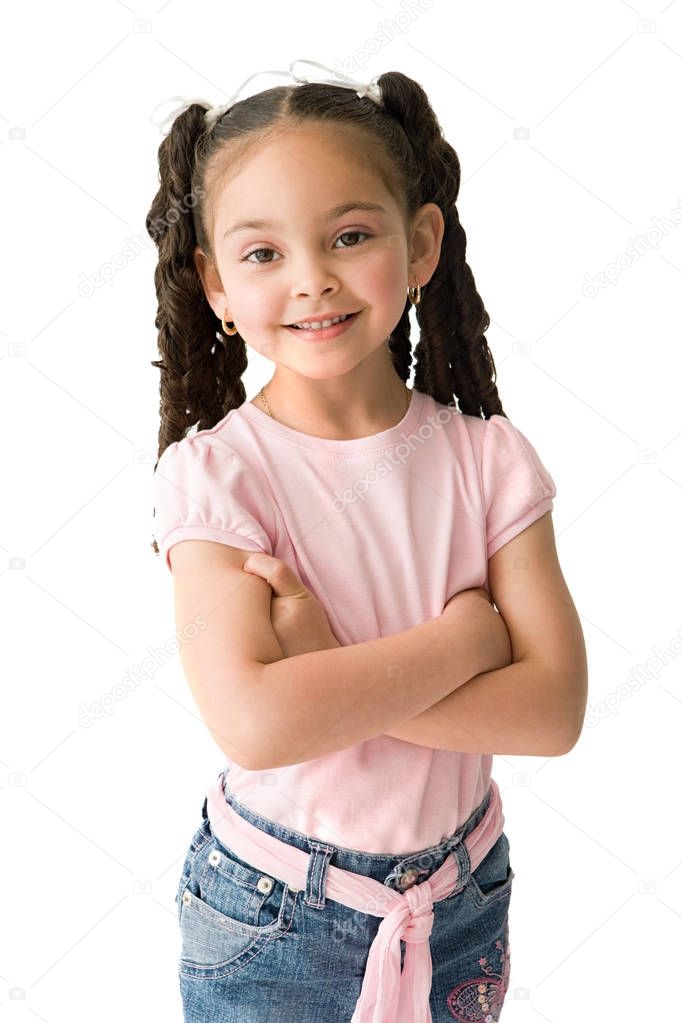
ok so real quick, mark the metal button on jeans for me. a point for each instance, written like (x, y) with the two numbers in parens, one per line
(408, 878)
(265, 885)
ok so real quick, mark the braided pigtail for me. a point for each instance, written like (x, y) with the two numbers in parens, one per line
(200, 374)
(452, 356)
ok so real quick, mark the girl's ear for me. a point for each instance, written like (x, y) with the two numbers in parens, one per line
(428, 228)
(210, 279)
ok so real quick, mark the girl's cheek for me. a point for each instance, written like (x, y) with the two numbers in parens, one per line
(383, 272)
(386, 296)
(258, 309)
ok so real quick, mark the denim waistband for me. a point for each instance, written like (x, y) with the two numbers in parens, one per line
(399, 871)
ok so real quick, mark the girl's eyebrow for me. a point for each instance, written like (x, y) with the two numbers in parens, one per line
(332, 214)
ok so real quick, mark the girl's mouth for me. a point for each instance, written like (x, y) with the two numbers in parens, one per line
(324, 333)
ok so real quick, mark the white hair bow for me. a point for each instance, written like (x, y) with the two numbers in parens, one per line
(370, 89)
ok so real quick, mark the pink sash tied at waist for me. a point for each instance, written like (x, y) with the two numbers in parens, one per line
(387, 995)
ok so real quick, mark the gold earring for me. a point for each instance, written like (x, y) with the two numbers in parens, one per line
(415, 294)
(229, 330)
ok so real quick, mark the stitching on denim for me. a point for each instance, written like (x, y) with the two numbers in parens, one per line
(206, 971)
(227, 924)
(480, 1000)
(316, 887)
(316, 849)
(319, 855)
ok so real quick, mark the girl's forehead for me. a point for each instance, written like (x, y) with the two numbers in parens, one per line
(313, 159)
(343, 142)
(313, 173)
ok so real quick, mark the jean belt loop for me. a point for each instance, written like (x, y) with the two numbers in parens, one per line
(316, 875)
(461, 854)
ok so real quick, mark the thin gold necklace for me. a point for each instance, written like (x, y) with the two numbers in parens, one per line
(261, 394)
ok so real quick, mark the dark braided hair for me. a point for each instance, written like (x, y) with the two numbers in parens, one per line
(200, 368)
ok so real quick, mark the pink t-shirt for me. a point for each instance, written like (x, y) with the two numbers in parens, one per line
(383, 530)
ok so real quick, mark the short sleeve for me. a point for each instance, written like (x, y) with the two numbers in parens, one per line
(203, 491)
(517, 487)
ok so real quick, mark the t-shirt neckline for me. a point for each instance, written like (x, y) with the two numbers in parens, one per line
(383, 439)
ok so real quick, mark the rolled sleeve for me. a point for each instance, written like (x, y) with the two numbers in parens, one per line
(203, 491)
(517, 486)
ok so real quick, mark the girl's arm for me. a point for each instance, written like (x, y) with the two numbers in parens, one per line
(506, 711)
(301, 626)
(536, 705)
(533, 707)
(264, 710)
(324, 701)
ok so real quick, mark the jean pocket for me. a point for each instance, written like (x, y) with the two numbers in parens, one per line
(493, 877)
(229, 912)
(200, 837)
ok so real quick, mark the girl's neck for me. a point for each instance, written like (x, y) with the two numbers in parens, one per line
(339, 418)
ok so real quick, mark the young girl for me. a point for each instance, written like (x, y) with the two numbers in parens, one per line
(336, 544)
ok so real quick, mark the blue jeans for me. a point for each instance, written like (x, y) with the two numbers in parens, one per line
(255, 950)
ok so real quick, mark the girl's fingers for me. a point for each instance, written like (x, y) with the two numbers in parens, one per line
(277, 573)
(260, 564)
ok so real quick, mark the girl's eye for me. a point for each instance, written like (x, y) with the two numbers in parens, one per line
(345, 234)
(253, 252)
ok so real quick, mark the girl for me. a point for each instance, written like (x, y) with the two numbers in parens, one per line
(336, 544)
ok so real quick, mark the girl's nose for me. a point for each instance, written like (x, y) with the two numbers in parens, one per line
(313, 279)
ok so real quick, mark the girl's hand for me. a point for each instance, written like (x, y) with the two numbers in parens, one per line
(497, 651)
(298, 619)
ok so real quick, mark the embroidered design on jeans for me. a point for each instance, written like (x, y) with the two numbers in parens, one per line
(480, 1000)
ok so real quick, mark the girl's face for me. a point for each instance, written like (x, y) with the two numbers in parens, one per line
(307, 258)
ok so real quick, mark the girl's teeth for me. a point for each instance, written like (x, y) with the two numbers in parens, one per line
(316, 324)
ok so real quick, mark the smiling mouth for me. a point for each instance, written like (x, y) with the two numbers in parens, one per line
(334, 323)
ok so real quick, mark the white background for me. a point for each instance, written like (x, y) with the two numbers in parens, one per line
(566, 121)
